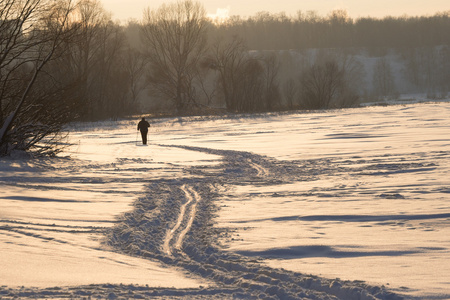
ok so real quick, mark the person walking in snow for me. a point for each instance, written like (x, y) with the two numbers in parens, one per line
(143, 127)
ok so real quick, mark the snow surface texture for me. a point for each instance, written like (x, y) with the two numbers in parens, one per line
(236, 208)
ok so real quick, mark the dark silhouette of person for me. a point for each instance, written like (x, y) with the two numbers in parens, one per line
(143, 127)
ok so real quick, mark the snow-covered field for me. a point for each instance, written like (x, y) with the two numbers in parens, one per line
(344, 204)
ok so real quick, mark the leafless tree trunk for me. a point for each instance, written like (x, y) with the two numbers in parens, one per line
(271, 91)
(290, 91)
(383, 80)
(135, 64)
(251, 86)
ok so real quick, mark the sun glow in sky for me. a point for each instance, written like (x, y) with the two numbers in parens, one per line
(124, 10)
(221, 14)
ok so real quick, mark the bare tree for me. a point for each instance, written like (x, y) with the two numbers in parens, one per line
(109, 78)
(90, 58)
(290, 92)
(353, 79)
(134, 63)
(383, 80)
(320, 85)
(240, 75)
(227, 59)
(207, 82)
(251, 86)
(333, 81)
(175, 42)
(272, 95)
(444, 71)
(31, 35)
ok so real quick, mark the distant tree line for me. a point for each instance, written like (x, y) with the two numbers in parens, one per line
(248, 60)
(62, 60)
(307, 30)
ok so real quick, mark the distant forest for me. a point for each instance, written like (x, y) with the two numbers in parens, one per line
(308, 30)
(65, 60)
(312, 44)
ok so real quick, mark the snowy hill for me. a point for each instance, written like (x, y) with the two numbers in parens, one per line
(342, 204)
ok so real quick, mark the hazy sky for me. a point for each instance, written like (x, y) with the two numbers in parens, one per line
(126, 9)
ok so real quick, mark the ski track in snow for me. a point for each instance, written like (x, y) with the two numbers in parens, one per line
(193, 198)
(179, 233)
(259, 169)
(174, 224)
